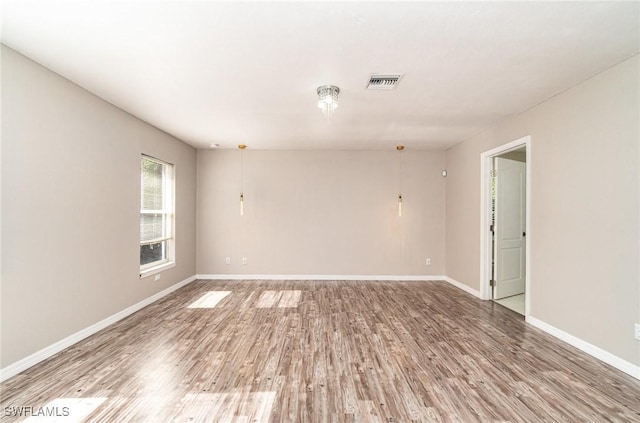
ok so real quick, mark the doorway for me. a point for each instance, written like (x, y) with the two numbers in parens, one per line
(504, 216)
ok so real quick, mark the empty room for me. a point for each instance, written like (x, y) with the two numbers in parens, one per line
(296, 211)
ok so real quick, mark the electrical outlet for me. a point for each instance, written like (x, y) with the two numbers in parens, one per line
(636, 332)
(244, 260)
(428, 262)
(157, 278)
(227, 260)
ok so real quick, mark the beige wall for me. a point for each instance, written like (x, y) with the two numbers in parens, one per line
(321, 213)
(584, 233)
(70, 209)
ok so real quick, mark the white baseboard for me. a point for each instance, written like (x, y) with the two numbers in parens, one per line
(325, 277)
(465, 288)
(453, 282)
(43, 354)
(592, 350)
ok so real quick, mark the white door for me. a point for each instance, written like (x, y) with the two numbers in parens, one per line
(509, 245)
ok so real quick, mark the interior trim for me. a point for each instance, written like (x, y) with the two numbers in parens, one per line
(323, 277)
(596, 352)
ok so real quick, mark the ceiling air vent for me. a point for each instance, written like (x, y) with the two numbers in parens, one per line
(384, 82)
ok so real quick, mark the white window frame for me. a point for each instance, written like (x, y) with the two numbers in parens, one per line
(168, 208)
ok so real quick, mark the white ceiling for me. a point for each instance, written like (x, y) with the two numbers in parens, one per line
(238, 72)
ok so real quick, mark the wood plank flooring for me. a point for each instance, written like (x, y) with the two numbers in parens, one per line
(323, 351)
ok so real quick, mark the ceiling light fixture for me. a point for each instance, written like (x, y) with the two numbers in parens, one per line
(328, 99)
(400, 148)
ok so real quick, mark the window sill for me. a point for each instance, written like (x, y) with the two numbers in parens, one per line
(157, 269)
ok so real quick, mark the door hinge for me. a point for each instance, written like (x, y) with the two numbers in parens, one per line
(492, 283)
(492, 228)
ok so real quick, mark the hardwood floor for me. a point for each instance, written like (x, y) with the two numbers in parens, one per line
(324, 351)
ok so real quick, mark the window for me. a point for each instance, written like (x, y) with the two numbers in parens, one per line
(156, 215)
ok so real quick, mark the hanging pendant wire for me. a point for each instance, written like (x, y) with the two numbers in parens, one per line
(242, 147)
(400, 148)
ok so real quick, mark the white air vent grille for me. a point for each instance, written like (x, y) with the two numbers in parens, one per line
(384, 82)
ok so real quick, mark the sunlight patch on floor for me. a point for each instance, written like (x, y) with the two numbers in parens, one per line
(290, 299)
(280, 299)
(210, 299)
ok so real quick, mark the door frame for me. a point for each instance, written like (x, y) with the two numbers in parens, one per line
(486, 166)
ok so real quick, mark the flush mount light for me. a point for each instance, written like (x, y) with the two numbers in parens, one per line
(328, 99)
